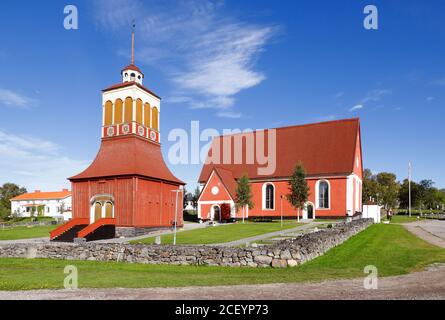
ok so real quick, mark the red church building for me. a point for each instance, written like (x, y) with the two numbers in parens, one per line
(330, 152)
(128, 188)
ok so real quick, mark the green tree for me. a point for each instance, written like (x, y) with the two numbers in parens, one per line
(195, 197)
(404, 194)
(243, 194)
(7, 192)
(428, 194)
(370, 186)
(298, 189)
(388, 189)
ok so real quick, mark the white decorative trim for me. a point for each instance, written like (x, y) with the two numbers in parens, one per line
(215, 202)
(349, 195)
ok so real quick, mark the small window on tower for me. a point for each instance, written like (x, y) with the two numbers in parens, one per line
(139, 77)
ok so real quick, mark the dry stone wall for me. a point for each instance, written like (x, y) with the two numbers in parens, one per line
(284, 253)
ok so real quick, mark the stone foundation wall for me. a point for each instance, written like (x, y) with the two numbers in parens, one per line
(128, 232)
(282, 254)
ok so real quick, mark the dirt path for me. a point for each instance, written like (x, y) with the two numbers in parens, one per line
(428, 284)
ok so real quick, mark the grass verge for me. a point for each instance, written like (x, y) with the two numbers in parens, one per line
(222, 233)
(16, 233)
(391, 248)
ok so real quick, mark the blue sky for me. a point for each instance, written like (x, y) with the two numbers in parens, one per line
(228, 64)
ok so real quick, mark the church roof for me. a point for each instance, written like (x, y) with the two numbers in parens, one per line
(128, 84)
(128, 155)
(228, 180)
(132, 67)
(325, 148)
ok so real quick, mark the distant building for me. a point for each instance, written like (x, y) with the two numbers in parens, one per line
(56, 204)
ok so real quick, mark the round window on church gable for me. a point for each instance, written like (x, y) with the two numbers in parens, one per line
(215, 190)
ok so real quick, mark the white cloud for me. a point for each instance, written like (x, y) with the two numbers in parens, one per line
(429, 98)
(374, 95)
(229, 114)
(208, 56)
(35, 163)
(370, 97)
(356, 107)
(14, 99)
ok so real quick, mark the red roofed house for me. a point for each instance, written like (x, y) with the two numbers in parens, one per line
(55, 204)
(330, 152)
(128, 188)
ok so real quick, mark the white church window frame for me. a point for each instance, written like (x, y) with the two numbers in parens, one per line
(264, 196)
(317, 195)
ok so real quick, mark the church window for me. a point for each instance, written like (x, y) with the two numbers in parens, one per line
(108, 113)
(128, 110)
(323, 195)
(118, 111)
(269, 196)
(155, 119)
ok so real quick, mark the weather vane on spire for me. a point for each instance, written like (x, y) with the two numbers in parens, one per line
(132, 42)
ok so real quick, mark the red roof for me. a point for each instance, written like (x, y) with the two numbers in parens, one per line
(128, 155)
(43, 195)
(325, 148)
(132, 67)
(128, 84)
(228, 180)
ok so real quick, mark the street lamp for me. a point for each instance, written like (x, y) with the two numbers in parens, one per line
(176, 214)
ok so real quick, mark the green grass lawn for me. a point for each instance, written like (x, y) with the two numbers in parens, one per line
(222, 233)
(25, 232)
(391, 248)
(403, 219)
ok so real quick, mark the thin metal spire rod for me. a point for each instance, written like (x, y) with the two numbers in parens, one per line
(132, 43)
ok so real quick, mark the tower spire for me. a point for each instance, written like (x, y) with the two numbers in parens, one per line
(132, 43)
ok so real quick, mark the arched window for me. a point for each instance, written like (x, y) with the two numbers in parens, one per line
(269, 194)
(97, 211)
(139, 111)
(155, 119)
(132, 76)
(108, 210)
(323, 195)
(147, 115)
(128, 109)
(118, 111)
(108, 121)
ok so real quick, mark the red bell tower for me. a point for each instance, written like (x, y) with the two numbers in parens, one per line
(128, 186)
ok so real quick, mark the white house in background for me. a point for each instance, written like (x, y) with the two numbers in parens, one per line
(55, 204)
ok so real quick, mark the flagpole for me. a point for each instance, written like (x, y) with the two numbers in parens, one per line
(409, 188)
